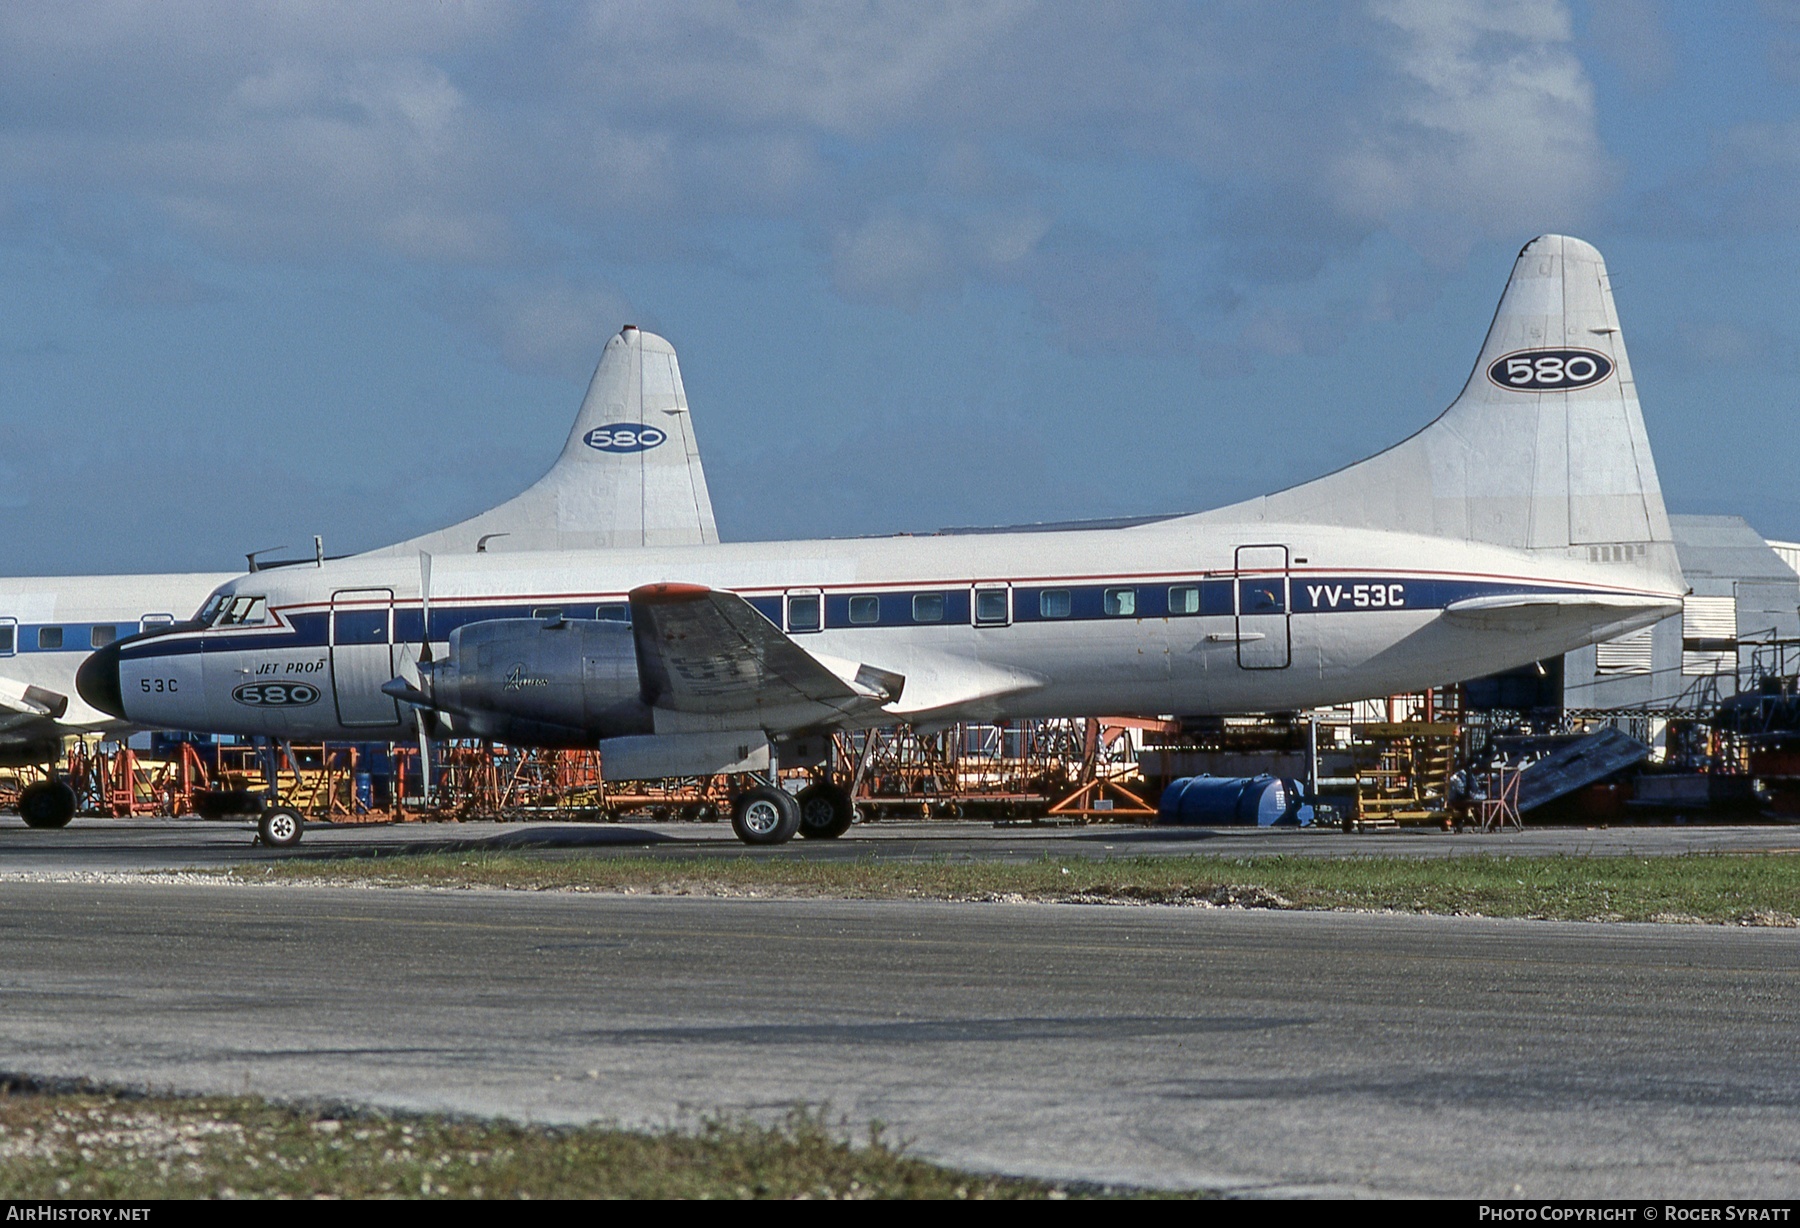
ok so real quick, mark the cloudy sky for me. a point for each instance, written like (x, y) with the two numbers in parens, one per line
(283, 268)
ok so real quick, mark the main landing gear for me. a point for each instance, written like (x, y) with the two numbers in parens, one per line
(768, 815)
(765, 815)
(825, 811)
(49, 803)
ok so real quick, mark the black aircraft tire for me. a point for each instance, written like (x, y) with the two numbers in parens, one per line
(47, 804)
(764, 815)
(825, 811)
(281, 827)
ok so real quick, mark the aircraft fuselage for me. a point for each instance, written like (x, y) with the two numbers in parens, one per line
(1176, 616)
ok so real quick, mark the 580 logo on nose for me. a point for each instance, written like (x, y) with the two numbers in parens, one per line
(277, 694)
(1549, 370)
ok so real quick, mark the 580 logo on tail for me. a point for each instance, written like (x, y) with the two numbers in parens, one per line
(624, 437)
(1549, 370)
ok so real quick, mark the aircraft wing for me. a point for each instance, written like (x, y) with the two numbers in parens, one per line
(23, 704)
(706, 652)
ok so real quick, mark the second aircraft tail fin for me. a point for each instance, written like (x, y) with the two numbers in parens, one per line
(629, 474)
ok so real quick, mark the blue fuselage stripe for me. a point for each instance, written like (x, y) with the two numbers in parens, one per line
(1201, 597)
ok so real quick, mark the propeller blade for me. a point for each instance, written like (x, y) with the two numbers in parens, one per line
(424, 674)
(424, 607)
(424, 756)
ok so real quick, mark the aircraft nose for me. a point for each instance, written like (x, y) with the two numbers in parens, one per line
(97, 681)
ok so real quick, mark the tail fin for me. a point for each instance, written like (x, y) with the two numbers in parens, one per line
(629, 474)
(1545, 450)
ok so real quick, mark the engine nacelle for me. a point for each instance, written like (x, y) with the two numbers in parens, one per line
(568, 682)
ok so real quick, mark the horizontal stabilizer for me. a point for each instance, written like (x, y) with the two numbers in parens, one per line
(29, 708)
(704, 651)
(23, 699)
(1539, 611)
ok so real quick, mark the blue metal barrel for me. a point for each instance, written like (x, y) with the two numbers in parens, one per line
(1243, 801)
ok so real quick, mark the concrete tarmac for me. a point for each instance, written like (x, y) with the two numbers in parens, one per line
(148, 844)
(1255, 1052)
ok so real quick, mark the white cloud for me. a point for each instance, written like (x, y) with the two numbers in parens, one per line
(547, 326)
(1487, 117)
(914, 146)
(850, 69)
(897, 260)
(902, 260)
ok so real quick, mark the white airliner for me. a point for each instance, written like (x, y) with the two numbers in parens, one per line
(1525, 521)
(629, 475)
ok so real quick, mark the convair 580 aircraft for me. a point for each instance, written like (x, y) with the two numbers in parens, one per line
(1525, 521)
(629, 475)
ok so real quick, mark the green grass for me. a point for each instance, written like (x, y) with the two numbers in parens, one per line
(1719, 888)
(96, 1144)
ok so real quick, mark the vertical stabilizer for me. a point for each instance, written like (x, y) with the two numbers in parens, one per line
(629, 474)
(1544, 450)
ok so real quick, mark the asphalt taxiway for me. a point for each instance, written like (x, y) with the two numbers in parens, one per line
(154, 843)
(1254, 1052)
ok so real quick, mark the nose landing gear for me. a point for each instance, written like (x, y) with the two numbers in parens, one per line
(281, 827)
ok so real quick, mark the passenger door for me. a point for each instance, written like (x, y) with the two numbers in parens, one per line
(1261, 594)
(362, 656)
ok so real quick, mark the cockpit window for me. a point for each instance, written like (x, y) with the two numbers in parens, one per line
(242, 611)
(210, 610)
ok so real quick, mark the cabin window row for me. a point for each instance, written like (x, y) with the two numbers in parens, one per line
(1123, 601)
(68, 638)
(925, 608)
(991, 605)
(815, 611)
(1056, 603)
